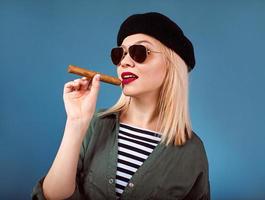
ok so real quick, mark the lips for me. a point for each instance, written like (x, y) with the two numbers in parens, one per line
(128, 77)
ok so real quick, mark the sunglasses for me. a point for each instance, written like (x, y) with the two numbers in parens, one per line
(137, 52)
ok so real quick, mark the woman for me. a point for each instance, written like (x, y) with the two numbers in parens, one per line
(143, 147)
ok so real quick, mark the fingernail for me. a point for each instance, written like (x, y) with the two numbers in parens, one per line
(97, 77)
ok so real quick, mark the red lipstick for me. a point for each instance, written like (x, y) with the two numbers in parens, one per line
(128, 77)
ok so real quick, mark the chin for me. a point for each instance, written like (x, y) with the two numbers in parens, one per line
(129, 92)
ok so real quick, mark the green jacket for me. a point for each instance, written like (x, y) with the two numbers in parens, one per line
(170, 172)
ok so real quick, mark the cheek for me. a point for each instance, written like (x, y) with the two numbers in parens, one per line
(157, 72)
(155, 78)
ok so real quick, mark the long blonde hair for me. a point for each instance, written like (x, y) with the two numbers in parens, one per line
(172, 105)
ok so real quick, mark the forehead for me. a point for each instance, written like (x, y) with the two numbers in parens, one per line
(140, 38)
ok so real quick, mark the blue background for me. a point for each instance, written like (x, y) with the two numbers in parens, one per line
(39, 39)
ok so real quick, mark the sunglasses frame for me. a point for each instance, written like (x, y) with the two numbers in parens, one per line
(125, 52)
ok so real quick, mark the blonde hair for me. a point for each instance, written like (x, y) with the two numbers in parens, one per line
(172, 105)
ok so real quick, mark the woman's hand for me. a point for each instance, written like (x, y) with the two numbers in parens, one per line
(80, 98)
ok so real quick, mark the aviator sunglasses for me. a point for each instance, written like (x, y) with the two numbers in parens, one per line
(137, 52)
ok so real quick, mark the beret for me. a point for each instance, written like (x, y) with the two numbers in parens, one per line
(161, 28)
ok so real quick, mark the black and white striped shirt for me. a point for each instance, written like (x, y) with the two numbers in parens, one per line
(134, 146)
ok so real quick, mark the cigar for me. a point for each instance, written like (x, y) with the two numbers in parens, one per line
(90, 74)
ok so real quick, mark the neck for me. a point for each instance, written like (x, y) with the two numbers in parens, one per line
(141, 113)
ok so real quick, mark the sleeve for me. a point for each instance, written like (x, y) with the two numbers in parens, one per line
(37, 193)
(200, 189)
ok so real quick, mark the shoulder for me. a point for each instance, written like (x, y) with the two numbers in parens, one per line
(187, 161)
(100, 118)
(100, 129)
(100, 124)
(195, 143)
(195, 150)
(191, 153)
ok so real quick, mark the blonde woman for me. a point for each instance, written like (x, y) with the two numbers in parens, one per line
(143, 147)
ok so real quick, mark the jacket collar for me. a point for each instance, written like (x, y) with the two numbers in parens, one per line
(111, 115)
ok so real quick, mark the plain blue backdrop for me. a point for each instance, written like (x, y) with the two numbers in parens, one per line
(39, 39)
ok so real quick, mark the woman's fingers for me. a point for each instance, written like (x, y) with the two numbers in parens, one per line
(85, 82)
(95, 85)
(76, 85)
(68, 87)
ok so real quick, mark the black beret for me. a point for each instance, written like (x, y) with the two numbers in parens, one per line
(161, 28)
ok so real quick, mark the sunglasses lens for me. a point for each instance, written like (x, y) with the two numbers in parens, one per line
(116, 55)
(138, 53)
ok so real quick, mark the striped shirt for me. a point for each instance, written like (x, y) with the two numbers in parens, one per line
(134, 146)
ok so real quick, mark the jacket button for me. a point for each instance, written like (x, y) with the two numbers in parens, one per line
(110, 181)
(131, 185)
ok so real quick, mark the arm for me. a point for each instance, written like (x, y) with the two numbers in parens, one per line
(80, 102)
(60, 180)
(200, 189)
(201, 186)
(38, 192)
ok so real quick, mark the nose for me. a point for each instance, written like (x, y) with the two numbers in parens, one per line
(127, 61)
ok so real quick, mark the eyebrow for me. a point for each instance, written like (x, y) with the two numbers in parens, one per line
(141, 41)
